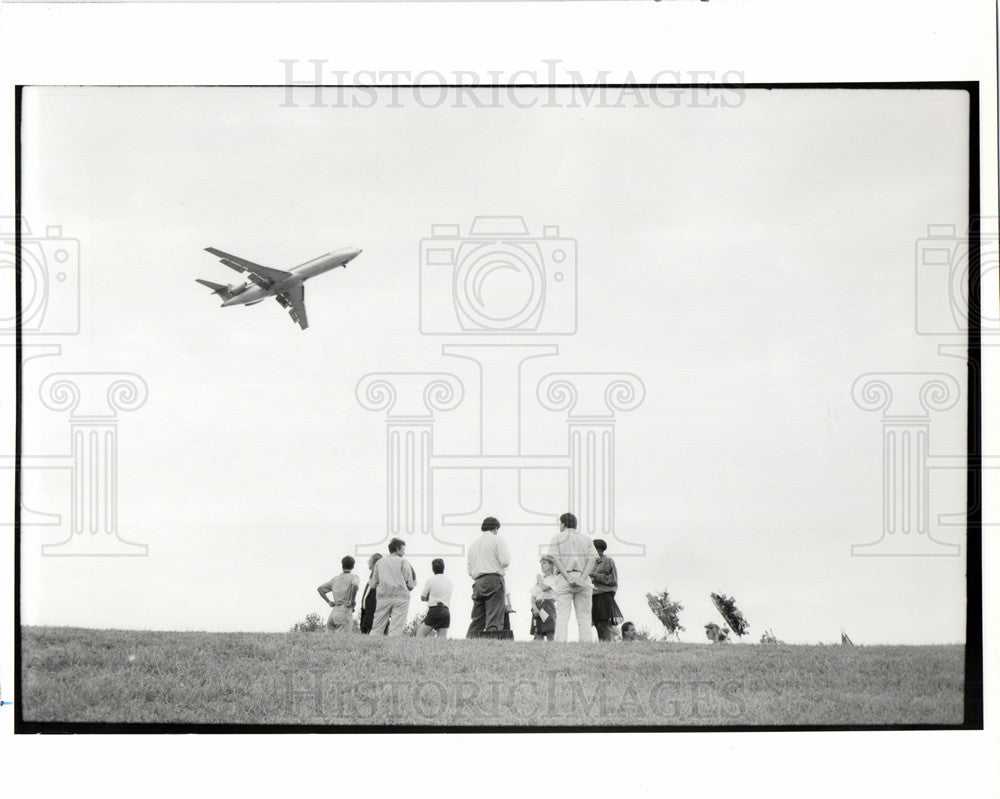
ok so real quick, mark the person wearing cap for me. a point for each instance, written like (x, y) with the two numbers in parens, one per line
(393, 579)
(342, 590)
(543, 603)
(437, 594)
(604, 611)
(488, 560)
(573, 557)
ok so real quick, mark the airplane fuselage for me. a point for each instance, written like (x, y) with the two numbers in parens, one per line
(253, 294)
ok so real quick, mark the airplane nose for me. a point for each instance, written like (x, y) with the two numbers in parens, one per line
(354, 253)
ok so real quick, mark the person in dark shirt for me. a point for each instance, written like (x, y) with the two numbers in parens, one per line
(368, 600)
(604, 613)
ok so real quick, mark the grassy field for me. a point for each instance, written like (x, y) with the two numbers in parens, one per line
(79, 675)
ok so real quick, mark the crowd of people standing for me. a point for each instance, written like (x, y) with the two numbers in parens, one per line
(576, 578)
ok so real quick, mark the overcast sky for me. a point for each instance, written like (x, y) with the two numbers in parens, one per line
(747, 263)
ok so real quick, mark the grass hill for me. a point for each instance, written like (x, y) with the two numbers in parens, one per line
(118, 676)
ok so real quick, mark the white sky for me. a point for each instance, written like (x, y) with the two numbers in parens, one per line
(747, 263)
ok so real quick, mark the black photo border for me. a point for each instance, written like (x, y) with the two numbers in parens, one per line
(973, 693)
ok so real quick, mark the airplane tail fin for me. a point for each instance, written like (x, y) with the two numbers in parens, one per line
(217, 288)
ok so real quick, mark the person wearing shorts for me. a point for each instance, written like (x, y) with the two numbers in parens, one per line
(437, 594)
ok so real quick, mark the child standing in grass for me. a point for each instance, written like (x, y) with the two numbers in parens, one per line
(543, 603)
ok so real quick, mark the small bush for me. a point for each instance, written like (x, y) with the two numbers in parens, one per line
(731, 614)
(667, 612)
(717, 634)
(768, 637)
(313, 624)
(413, 625)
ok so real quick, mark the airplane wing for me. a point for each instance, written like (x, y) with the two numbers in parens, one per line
(263, 276)
(295, 301)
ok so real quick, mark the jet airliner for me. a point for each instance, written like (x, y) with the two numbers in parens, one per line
(286, 287)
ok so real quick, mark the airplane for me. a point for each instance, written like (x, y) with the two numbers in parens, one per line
(285, 287)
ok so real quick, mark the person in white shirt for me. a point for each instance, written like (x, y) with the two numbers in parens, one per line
(488, 559)
(393, 579)
(573, 557)
(437, 594)
(342, 590)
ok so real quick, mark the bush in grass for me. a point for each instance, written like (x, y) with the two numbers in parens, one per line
(733, 617)
(667, 611)
(313, 624)
(413, 625)
(768, 637)
(716, 634)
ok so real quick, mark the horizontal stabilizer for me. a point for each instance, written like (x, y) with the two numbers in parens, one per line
(222, 291)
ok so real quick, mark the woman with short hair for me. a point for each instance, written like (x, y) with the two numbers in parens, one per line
(604, 613)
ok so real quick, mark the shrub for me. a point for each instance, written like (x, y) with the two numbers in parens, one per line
(732, 615)
(717, 634)
(667, 612)
(413, 625)
(768, 637)
(642, 634)
(313, 624)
